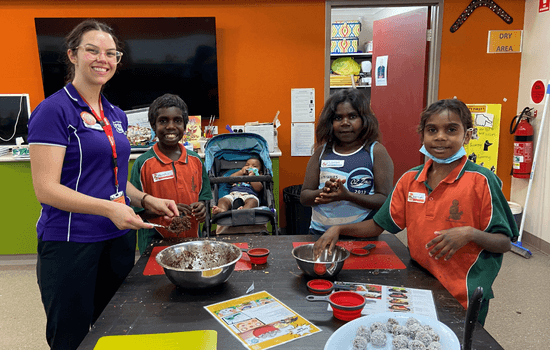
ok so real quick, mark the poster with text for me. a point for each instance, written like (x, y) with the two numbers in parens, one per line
(483, 146)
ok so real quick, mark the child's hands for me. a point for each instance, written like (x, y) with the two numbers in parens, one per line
(185, 209)
(329, 238)
(448, 242)
(198, 210)
(245, 171)
(333, 191)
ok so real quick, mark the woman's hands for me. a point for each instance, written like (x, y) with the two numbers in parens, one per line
(160, 206)
(124, 217)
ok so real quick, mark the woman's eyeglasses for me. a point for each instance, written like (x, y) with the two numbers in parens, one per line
(94, 52)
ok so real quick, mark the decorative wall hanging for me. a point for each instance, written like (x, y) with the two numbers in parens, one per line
(478, 3)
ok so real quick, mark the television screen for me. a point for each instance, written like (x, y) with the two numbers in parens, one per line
(160, 55)
(15, 110)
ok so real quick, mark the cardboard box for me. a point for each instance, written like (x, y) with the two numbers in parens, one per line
(344, 45)
(345, 29)
(265, 130)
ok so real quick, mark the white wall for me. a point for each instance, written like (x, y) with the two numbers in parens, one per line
(535, 65)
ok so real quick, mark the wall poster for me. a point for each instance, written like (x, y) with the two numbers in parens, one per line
(483, 146)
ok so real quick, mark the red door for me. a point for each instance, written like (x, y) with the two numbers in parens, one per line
(402, 38)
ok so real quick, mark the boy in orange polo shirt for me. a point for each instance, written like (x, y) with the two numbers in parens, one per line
(171, 171)
(458, 222)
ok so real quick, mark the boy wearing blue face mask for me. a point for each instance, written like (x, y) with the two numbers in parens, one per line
(458, 222)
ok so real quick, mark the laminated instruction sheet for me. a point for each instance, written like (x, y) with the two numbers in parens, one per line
(260, 321)
(393, 299)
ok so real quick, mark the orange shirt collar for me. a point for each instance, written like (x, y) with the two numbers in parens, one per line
(453, 175)
(164, 159)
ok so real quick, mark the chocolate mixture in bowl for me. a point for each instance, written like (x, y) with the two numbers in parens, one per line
(206, 257)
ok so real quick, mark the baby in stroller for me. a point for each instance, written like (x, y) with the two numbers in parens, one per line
(243, 195)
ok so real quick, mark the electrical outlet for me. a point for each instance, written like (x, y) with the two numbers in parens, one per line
(237, 128)
(214, 129)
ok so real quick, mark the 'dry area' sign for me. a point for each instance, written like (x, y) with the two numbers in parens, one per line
(504, 41)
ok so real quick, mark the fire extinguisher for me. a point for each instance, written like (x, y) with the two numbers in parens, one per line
(523, 144)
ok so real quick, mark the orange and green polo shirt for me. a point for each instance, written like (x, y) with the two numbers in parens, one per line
(184, 180)
(469, 196)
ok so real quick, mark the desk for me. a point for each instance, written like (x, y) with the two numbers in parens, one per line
(152, 304)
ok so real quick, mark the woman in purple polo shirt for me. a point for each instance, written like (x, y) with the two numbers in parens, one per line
(79, 162)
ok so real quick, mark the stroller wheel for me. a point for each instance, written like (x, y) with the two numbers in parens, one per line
(237, 203)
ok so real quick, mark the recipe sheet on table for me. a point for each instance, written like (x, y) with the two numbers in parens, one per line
(393, 299)
(261, 321)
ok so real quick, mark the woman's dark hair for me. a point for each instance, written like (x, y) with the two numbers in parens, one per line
(167, 101)
(324, 132)
(74, 39)
(453, 106)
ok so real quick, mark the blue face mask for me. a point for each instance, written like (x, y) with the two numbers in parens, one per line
(461, 153)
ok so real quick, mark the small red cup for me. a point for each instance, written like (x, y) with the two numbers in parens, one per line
(258, 256)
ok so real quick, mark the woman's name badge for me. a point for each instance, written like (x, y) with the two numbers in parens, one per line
(332, 163)
(118, 197)
(417, 197)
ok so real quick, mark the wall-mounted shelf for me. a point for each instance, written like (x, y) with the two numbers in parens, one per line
(356, 54)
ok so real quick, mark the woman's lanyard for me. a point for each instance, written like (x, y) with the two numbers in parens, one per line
(104, 122)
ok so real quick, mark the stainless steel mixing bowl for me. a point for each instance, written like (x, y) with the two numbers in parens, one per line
(326, 266)
(199, 264)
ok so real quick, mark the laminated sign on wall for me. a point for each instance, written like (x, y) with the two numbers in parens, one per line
(483, 146)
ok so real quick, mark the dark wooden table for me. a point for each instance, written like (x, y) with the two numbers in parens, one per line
(152, 304)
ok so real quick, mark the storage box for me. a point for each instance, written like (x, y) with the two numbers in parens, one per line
(345, 29)
(265, 130)
(344, 45)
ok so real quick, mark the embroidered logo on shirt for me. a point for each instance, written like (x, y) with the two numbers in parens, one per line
(163, 175)
(416, 197)
(118, 127)
(454, 213)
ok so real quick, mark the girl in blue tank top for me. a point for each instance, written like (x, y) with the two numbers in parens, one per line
(350, 173)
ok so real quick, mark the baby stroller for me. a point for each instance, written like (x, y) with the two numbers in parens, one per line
(224, 155)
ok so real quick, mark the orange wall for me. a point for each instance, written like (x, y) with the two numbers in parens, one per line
(474, 76)
(265, 48)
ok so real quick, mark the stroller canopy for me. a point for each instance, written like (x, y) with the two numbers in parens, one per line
(237, 146)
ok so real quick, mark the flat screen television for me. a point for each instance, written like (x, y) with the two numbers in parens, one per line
(160, 55)
(15, 110)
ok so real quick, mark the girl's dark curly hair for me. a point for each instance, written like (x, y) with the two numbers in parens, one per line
(324, 132)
